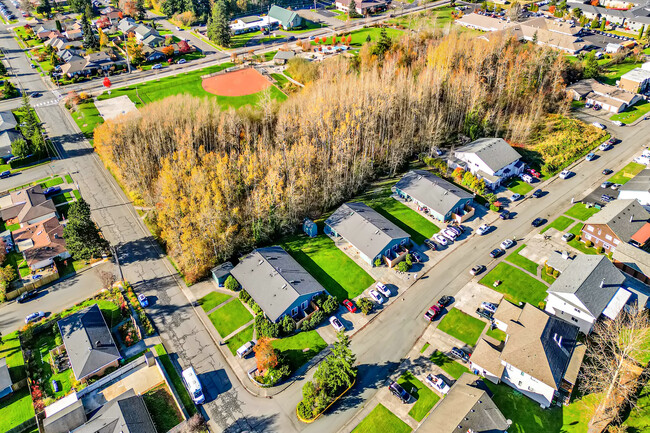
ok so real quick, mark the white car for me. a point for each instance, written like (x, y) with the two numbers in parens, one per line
(437, 383)
(564, 174)
(450, 234)
(383, 289)
(490, 306)
(618, 123)
(515, 197)
(376, 296)
(507, 244)
(482, 230)
(605, 146)
(441, 239)
(336, 323)
(599, 125)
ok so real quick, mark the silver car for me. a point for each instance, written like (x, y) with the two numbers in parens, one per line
(376, 296)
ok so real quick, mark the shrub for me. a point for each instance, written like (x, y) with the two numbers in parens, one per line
(600, 250)
(403, 266)
(409, 260)
(365, 305)
(316, 318)
(231, 284)
(589, 244)
(244, 296)
(378, 262)
(541, 305)
(329, 305)
(305, 325)
(288, 325)
(556, 273)
(304, 409)
(265, 328)
(256, 308)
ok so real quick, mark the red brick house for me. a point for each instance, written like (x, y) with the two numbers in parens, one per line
(620, 221)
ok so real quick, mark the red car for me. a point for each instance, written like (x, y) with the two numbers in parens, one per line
(432, 313)
(350, 306)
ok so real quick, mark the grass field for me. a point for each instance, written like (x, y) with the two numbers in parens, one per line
(10, 349)
(424, 396)
(212, 299)
(230, 317)
(299, 348)
(627, 173)
(519, 186)
(516, 285)
(614, 72)
(87, 117)
(638, 419)
(433, 18)
(161, 407)
(575, 243)
(329, 265)
(175, 379)
(381, 420)
(517, 259)
(239, 339)
(581, 212)
(16, 409)
(560, 224)
(632, 113)
(497, 334)
(462, 326)
(360, 37)
(405, 218)
(46, 342)
(451, 367)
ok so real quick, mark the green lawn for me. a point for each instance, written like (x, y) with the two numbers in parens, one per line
(239, 339)
(87, 117)
(42, 346)
(381, 420)
(212, 299)
(497, 334)
(424, 396)
(425, 347)
(550, 279)
(575, 243)
(560, 224)
(632, 113)
(359, 37)
(405, 218)
(451, 367)
(16, 409)
(307, 26)
(299, 348)
(516, 285)
(162, 408)
(433, 18)
(627, 173)
(57, 180)
(230, 317)
(614, 72)
(175, 379)
(10, 349)
(581, 212)
(281, 79)
(462, 326)
(517, 259)
(638, 419)
(519, 186)
(331, 267)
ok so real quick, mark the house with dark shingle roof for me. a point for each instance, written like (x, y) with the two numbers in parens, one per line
(491, 159)
(89, 343)
(533, 359)
(466, 408)
(41, 243)
(7, 138)
(7, 121)
(433, 195)
(277, 283)
(28, 206)
(590, 287)
(288, 19)
(126, 413)
(5, 378)
(620, 221)
(368, 231)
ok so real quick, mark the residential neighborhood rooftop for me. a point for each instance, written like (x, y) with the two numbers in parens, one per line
(496, 153)
(28, 204)
(124, 414)
(623, 217)
(431, 190)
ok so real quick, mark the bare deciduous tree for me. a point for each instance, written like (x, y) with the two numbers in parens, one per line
(196, 424)
(612, 371)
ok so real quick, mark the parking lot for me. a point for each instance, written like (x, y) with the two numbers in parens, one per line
(601, 40)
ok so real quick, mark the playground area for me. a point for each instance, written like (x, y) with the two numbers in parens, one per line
(238, 83)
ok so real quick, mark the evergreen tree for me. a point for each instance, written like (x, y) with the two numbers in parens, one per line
(79, 6)
(641, 32)
(591, 66)
(20, 148)
(29, 121)
(139, 7)
(9, 90)
(218, 24)
(602, 24)
(3, 69)
(647, 33)
(384, 43)
(44, 8)
(58, 26)
(352, 9)
(90, 41)
(82, 236)
(172, 7)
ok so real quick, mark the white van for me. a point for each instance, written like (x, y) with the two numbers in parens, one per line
(245, 349)
(193, 385)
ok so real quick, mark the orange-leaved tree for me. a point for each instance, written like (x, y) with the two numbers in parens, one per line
(265, 354)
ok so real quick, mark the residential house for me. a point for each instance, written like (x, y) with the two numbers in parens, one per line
(153, 40)
(288, 19)
(282, 57)
(466, 408)
(619, 221)
(632, 15)
(432, 195)
(491, 159)
(637, 188)
(364, 7)
(43, 30)
(5, 378)
(152, 54)
(74, 34)
(535, 357)
(482, 22)
(89, 343)
(590, 287)
(142, 32)
(56, 42)
(277, 283)
(41, 243)
(6, 140)
(373, 236)
(7, 121)
(69, 54)
(635, 81)
(253, 23)
(89, 64)
(75, 66)
(127, 25)
(610, 98)
(28, 206)
(635, 262)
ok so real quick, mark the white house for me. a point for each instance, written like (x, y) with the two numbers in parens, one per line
(589, 287)
(491, 159)
(535, 356)
(637, 188)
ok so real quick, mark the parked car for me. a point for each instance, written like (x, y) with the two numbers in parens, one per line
(397, 390)
(157, 66)
(507, 244)
(449, 234)
(497, 252)
(515, 197)
(36, 94)
(537, 193)
(429, 243)
(52, 190)
(417, 257)
(182, 62)
(565, 174)
(526, 178)
(615, 186)
(5, 174)
(37, 277)
(350, 306)
(483, 229)
(441, 239)
(27, 296)
(143, 300)
(489, 306)
(608, 171)
(590, 156)
(437, 383)
(376, 296)
(34, 317)
(568, 237)
(336, 324)
(538, 222)
(477, 269)
(504, 215)
(618, 123)
(432, 313)
(459, 354)
(598, 125)
(605, 146)
(612, 141)
(383, 289)
(484, 313)
(456, 229)
(606, 184)
(444, 301)
(607, 198)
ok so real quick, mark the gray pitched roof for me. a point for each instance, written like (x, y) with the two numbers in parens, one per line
(496, 153)
(88, 341)
(467, 407)
(7, 120)
(5, 377)
(583, 278)
(6, 138)
(28, 204)
(274, 279)
(364, 228)
(640, 182)
(284, 55)
(126, 413)
(432, 191)
(623, 217)
(285, 16)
